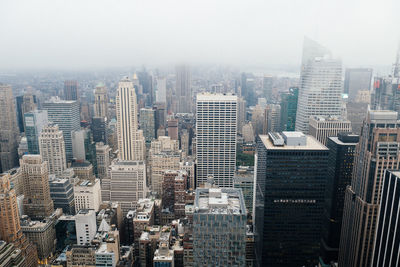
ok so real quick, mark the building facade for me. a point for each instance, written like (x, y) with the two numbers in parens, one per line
(34, 122)
(216, 128)
(322, 127)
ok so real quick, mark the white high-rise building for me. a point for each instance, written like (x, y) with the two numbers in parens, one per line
(131, 142)
(52, 149)
(86, 228)
(321, 85)
(216, 126)
(126, 183)
(161, 94)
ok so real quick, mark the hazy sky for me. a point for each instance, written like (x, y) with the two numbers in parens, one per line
(95, 33)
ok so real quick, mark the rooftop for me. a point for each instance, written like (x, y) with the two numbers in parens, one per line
(219, 201)
(311, 144)
(216, 97)
(382, 115)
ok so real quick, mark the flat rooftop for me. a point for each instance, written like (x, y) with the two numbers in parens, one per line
(312, 144)
(216, 97)
(219, 201)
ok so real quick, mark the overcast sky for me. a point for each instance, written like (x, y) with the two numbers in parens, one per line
(83, 34)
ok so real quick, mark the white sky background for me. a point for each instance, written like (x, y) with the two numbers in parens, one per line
(79, 34)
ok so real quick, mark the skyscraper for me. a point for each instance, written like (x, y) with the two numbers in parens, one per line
(339, 172)
(161, 93)
(147, 123)
(99, 129)
(52, 149)
(103, 154)
(35, 176)
(101, 101)
(34, 122)
(216, 128)
(289, 199)
(71, 90)
(387, 242)
(219, 227)
(289, 109)
(8, 129)
(378, 149)
(357, 79)
(130, 139)
(183, 89)
(272, 115)
(25, 103)
(64, 113)
(320, 86)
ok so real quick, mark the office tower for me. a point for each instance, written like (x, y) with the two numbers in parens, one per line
(126, 184)
(99, 129)
(339, 172)
(71, 90)
(34, 122)
(216, 128)
(356, 113)
(103, 158)
(289, 109)
(11, 255)
(25, 103)
(244, 179)
(174, 191)
(65, 114)
(79, 139)
(10, 227)
(387, 242)
(148, 123)
(87, 195)
(377, 150)
(272, 115)
(62, 194)
(258, 120)
(52, 149)
(219, 227)
(8, 129)
(183, 89)
(160, 117)
(42, 234)
(163, 155)
(320, 85)
(86, 227)
(241, 113)
(101, 101)
(130, 139)
(184, 141)
(287, 219)
(35, 176)
(357, 79)
(172, 128)
(322, 127)
(83, 170)
(161, 93)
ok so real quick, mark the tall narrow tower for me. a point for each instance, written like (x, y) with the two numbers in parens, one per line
(183, 89)
(71, 90)
(130, 139)
(101, 101)
(320, 85)
(8, 129)
(377, 150)
(216, 127)
(35, 176)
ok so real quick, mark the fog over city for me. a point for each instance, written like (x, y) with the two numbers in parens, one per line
(48, 34)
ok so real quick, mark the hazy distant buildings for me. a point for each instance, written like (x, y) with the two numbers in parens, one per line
(8, 129)
(272, 115)
(287, 219)
(148, 123)
(183, 89)
(377, 150)
(339, 172)
(101, 101)
(64, 113)
(34, 122)
(161, 93)
(320, 86)
(289, 109)
(219, 227)
(130, 140)
(322, 127)
(357, 79)
(52, 149)
(216, 127)
(71, 90)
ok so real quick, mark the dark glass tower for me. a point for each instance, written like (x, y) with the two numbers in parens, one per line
(289, 109)
(289, 199)
(340, 171)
